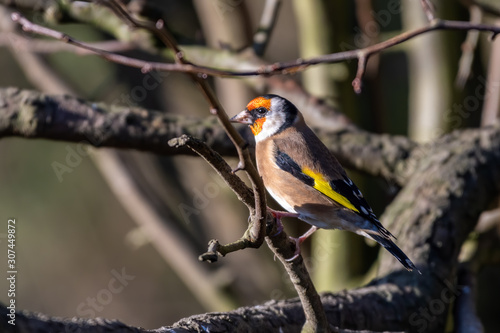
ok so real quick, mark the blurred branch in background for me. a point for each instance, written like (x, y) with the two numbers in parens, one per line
(479, 252)
(258, 211)
(428, 8)
(428, 99)
(172, 245)
(22, 43)
(381, 155)
(316, 37)
(278, 241)
(468, 49)
(266, 25)
(315, 30)
(398, 294)
(264, 70)
(226, 29)
(491, 106)
(396, 159)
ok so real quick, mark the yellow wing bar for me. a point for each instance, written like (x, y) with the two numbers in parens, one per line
(322, 185)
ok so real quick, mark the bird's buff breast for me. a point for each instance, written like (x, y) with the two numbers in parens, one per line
(312, 207)
(318, 216)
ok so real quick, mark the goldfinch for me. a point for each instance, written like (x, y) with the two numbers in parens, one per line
(301, 174)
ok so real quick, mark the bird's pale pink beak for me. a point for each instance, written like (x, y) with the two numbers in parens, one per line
(243, 117)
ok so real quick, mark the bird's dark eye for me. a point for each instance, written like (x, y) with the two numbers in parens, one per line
(261, 110)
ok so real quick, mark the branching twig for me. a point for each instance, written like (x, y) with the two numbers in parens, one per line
(21, 43)
(258, 211)
(315, 314)
(428, 9)
(158, 28)
(357, 82)
(66, 118)
(234, 182)
(266, 70)
(278, 242)
(216, 161)
(388, 303)
(365, 15)
(307, 294)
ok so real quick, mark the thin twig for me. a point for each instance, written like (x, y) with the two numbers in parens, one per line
(168, 241)
(357, 82)
(264, 70)
(315, 314)
(158, 28)
(216, 161)
(20, 43)
(279, 243)
(258, 211)
(266, 25)
(428, 8)
(171, 244)
(316, 320)
(365, 15)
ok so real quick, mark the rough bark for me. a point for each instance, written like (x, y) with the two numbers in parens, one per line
(30, 114)
(447, 184)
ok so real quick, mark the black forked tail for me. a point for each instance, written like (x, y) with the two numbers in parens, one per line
(395, 251)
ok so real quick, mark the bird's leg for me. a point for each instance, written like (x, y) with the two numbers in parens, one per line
(300, 240)
(278, 215)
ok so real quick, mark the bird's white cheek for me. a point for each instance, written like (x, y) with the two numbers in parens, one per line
(269, 128)
(264, 133)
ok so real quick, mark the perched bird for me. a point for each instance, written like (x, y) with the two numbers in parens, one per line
(303, 176)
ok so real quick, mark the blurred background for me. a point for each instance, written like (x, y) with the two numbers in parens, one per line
(118, 233)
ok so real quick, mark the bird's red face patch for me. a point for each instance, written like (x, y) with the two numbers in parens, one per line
(257, 125)
(258, 103)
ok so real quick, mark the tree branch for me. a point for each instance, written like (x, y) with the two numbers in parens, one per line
(216, 161)
(428, 8)
(462, 162)
(243, 192)
(458, 175)
(255, 237)
(21, 43)
(30, 114)
(278, 242)
(266, 70)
